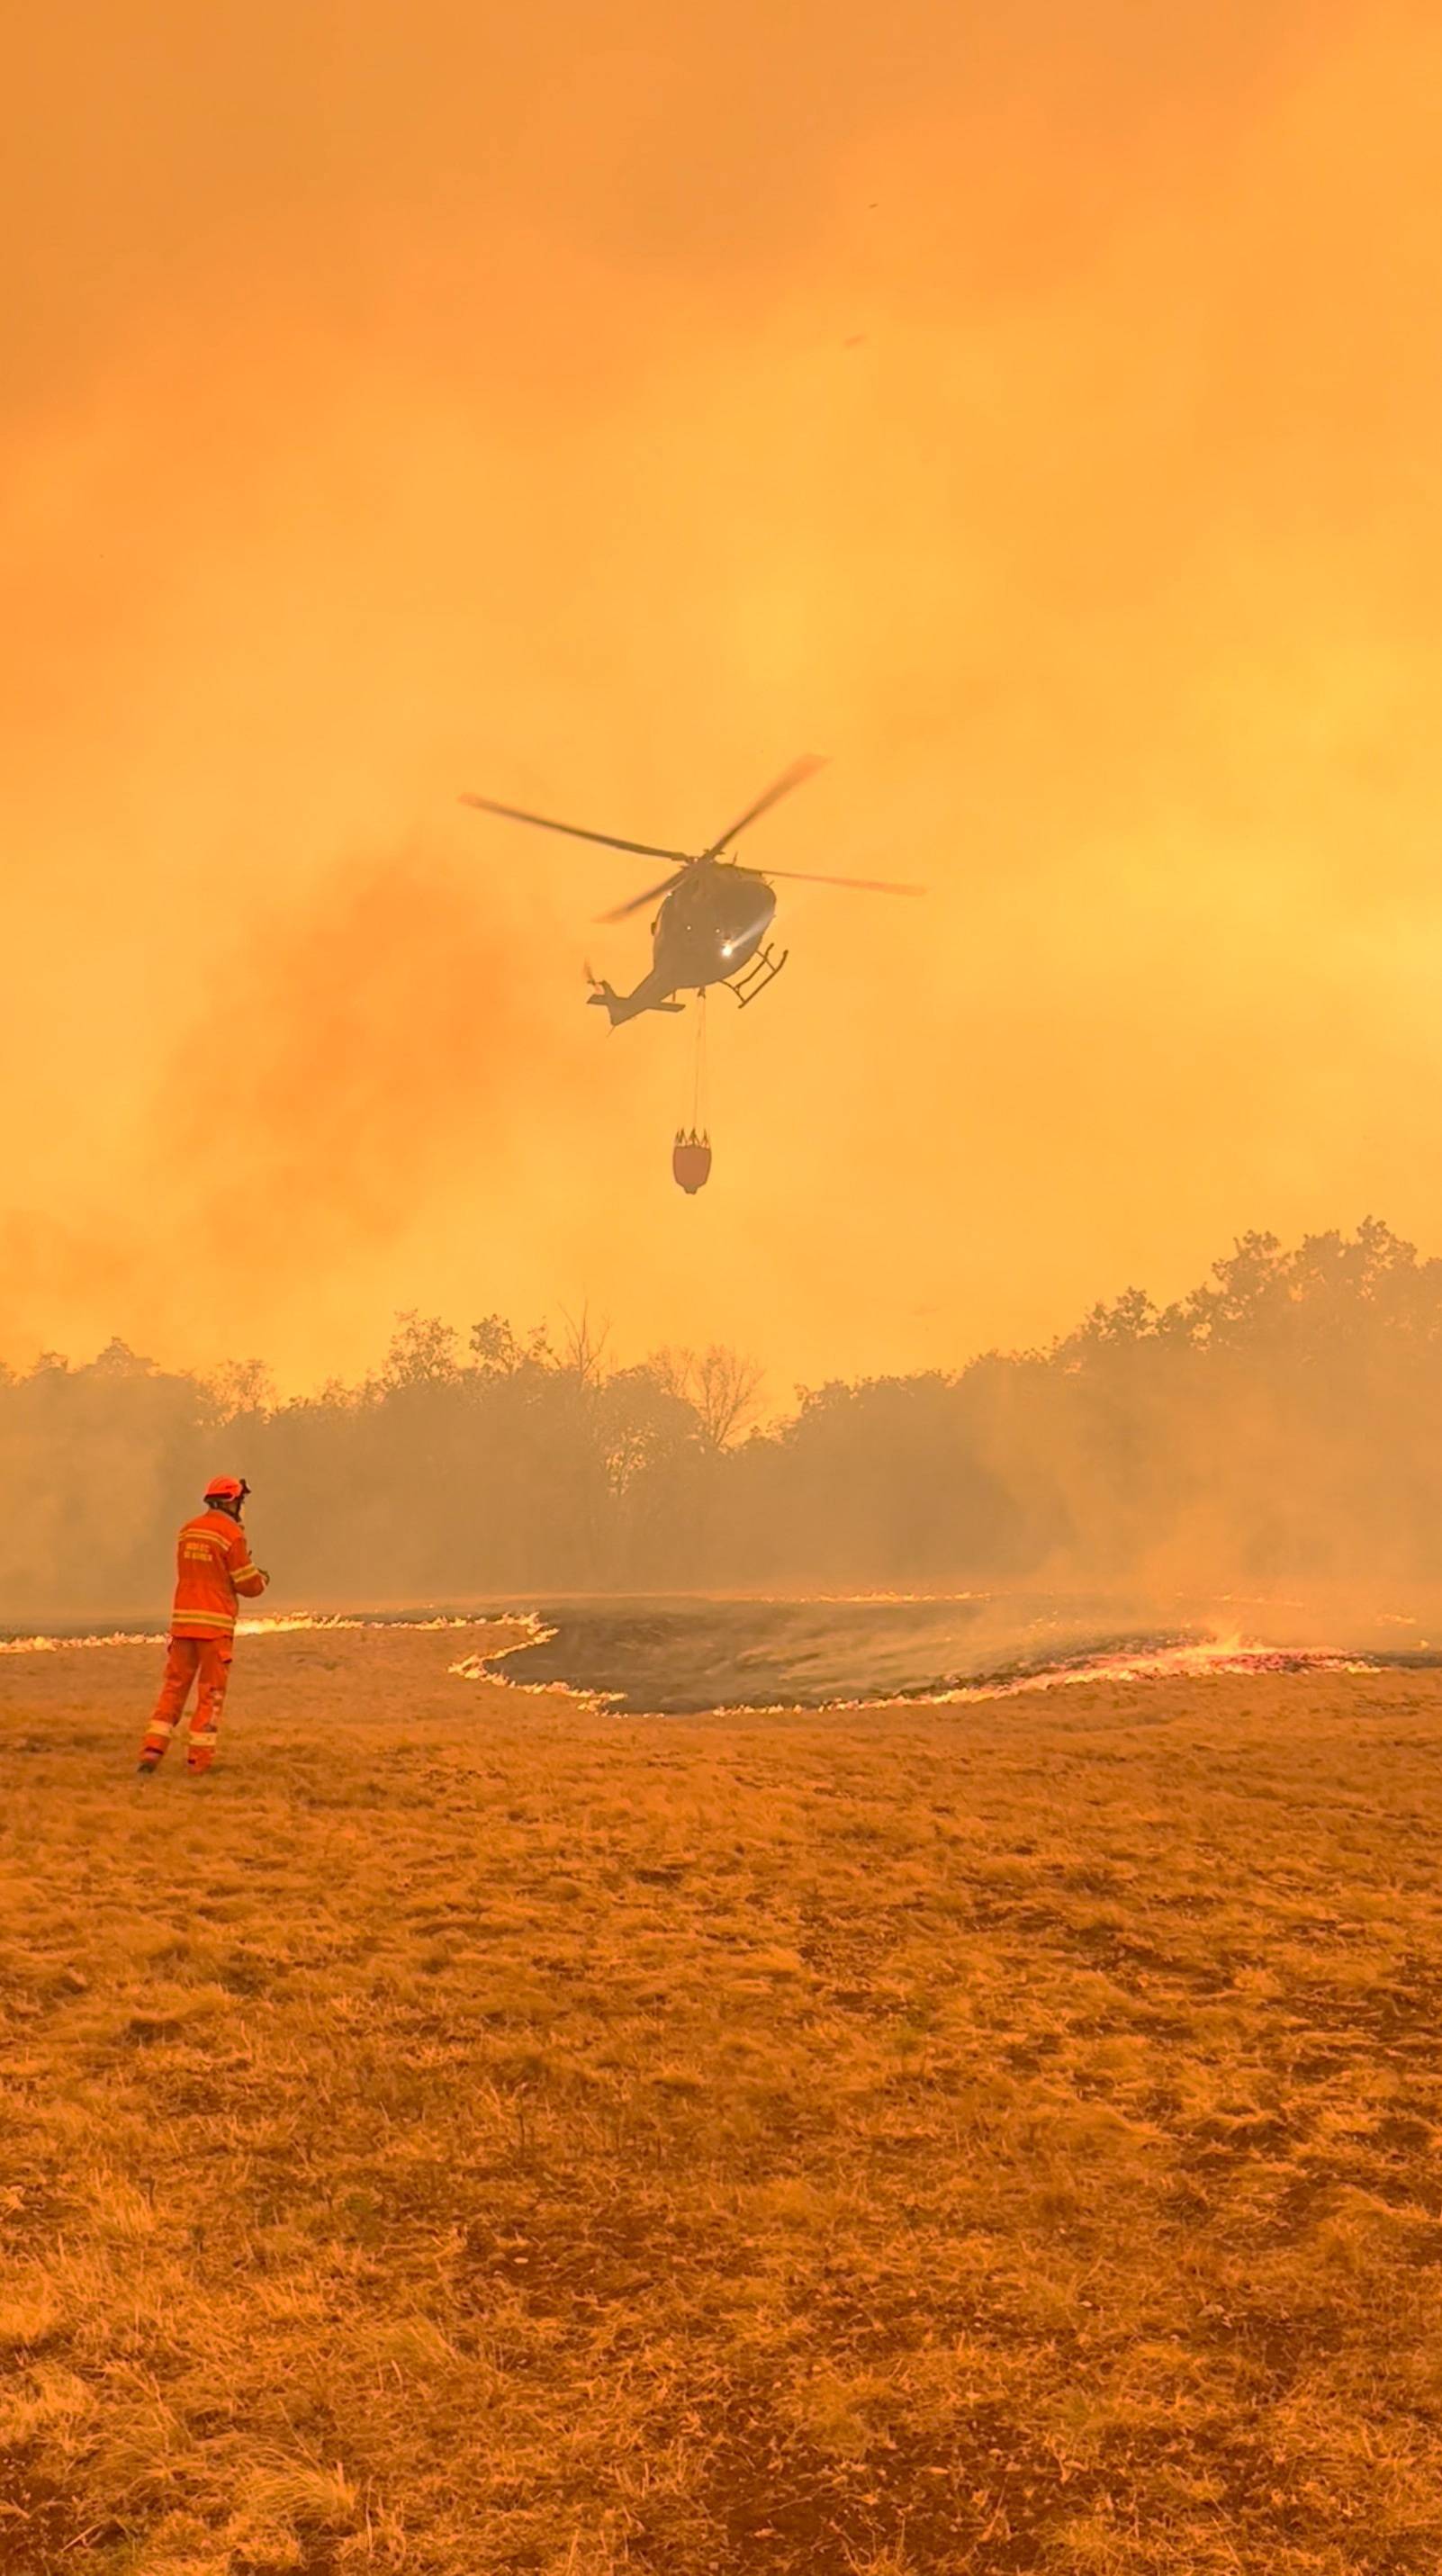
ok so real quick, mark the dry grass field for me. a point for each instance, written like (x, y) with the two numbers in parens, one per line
(467, 2135)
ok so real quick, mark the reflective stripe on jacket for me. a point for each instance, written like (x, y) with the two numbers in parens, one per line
(212, 1565)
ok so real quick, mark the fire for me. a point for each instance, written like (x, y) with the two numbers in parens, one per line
(1167, 1663)
(284, 1623)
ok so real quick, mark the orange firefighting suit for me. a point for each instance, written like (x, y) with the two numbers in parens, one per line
(212, 1566)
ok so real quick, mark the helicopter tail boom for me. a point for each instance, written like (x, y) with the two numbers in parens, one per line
(649, 995)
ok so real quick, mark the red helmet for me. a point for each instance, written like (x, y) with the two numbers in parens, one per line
(226, 1489)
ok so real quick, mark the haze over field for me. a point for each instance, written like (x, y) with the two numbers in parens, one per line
(1275, 1436)
(1035, 410)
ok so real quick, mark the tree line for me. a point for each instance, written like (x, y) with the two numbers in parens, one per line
(1278, 1424)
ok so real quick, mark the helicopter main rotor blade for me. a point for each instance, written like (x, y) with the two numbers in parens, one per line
(799, 770)
(517, 814)
(858, 885)
(624, 911)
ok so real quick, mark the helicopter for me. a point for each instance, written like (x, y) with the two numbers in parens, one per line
(714, 917)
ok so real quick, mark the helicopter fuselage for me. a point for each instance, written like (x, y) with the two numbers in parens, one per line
(714, 916)
(707, 931)
(710, 925)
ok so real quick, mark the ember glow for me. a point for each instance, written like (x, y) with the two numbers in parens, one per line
(1168, 1663)
(1143, 1664)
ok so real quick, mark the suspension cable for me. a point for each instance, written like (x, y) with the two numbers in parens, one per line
(698, 1082)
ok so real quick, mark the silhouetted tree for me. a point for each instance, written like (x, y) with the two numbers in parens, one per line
(1281, 1421)
(720, 1384)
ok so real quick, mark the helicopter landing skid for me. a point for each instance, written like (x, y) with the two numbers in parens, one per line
(764, 968)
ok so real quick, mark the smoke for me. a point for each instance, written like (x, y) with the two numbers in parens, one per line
(1034, 409)
(369, 1045)
(333, 1065)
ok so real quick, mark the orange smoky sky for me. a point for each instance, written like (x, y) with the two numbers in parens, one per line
(1035, 409)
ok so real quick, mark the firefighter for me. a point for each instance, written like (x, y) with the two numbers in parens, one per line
(212, 1566)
